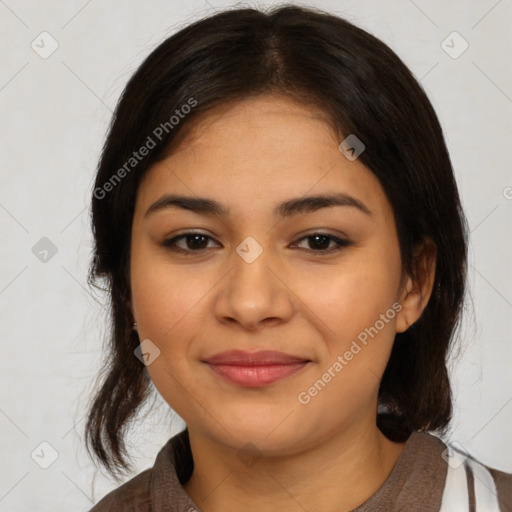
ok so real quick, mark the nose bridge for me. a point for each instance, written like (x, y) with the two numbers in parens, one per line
(251, 293)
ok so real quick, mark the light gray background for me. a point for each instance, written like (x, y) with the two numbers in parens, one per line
(54, 116)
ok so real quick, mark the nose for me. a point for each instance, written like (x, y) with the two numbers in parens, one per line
(254, 292)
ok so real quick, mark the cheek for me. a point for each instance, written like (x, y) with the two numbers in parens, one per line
(351, 297)
(359, 306)
(362, 318)
(167, 302)
(165, 297)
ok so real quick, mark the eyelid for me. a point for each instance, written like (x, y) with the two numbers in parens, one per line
(322, 231)
(167, 241)
(341, 242)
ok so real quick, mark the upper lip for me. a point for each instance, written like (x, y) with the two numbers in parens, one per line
(260, 358)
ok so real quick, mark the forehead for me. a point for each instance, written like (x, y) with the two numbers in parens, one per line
(264, 121)
(258, 151)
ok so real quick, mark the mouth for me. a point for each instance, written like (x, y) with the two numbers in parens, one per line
(255, 369)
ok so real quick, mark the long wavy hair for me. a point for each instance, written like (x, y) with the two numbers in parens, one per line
(364, 89)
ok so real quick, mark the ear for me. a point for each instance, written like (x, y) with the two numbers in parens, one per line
(417, 288)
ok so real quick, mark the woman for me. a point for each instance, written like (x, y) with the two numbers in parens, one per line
(277, 221)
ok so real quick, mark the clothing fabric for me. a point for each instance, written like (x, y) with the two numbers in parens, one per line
(415, 484)
(469, 485)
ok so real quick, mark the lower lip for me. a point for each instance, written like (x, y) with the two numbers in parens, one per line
(256, 376)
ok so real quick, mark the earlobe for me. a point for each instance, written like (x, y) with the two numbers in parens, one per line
(412, 307)
(417, 290)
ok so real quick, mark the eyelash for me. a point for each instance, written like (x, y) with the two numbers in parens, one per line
(340, 243)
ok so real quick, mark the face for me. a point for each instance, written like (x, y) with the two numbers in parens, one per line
(318, 283)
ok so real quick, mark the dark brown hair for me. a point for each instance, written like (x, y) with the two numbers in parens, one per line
(364, 89)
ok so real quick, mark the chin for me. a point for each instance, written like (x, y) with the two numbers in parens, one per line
(275, 432)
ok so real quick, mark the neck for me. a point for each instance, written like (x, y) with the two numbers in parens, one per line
(338, 473)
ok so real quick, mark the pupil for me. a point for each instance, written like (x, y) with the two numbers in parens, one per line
(195, 244)
(325, 239)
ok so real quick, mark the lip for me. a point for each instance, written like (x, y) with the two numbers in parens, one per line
(255, 369)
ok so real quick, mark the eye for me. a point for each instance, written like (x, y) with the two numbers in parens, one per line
(197, 242)
(194, 242)
(321, 243)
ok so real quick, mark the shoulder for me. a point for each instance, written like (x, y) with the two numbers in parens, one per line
(485, 487)
(153, 489)
(132, 495)
(452, 476)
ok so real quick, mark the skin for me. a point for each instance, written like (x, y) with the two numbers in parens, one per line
(325, 455)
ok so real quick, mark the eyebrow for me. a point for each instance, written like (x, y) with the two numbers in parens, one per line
(288, 208)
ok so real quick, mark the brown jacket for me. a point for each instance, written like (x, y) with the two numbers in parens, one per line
(416, 482)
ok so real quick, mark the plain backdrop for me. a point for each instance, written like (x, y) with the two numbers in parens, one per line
(55, 110)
